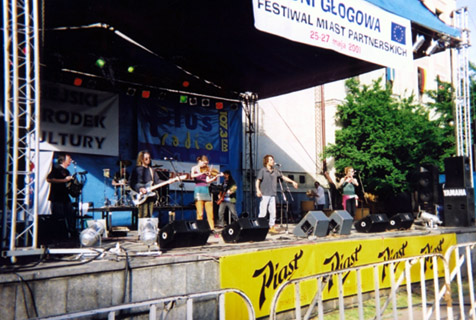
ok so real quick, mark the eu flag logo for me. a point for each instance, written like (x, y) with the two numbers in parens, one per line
(398, 33)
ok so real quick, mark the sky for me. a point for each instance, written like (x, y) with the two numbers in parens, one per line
(471, 4)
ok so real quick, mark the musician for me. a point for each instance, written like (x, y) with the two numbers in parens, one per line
(203, 176)
(141, 177)
(61, 206)
(320, 198)
(227, 199)
(121, 177)
(349, 196)
(266, 188)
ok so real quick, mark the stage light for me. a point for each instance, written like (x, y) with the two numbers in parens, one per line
(431, 220)
(219, 105)
(205, 102)
(78, 82)
(100, 62)
(432, 48)
(131, 91)
(183, 99)
(186, 84)
(131, 69)
(418, 42)
(148, 230)
(193, 101)
(145, 94)
(92, 234)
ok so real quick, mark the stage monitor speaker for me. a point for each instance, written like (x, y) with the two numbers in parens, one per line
(376, 222)
(401, 221)
(246, 229)
(457, 172)
(183, 233)
(340, 222)
(314, 223)
(459, 210)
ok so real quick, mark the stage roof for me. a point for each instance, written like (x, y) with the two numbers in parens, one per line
(213, 45)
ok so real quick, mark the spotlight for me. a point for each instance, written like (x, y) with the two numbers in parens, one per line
(148, 230)
(186, 84)
(100, 62)
(78, 82)
(92, 234)
(183, 99)
(131, 91)
(418, 42)
(432, 48)
(205, 102)
(145, 94)
(193, 101)
(219, 105)
(131, 69)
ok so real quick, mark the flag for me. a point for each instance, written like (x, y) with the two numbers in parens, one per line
(398, 33)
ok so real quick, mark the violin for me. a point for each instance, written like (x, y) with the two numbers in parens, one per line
(210, 171)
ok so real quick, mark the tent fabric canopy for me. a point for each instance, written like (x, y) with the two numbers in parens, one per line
(211, 46)
(416, 12)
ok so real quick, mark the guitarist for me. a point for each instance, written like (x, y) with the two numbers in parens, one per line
(227, 199)
(140, 177)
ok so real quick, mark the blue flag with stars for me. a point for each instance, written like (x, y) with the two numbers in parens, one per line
(398, 33)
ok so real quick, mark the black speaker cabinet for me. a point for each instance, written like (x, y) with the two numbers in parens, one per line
(457, 172)
(314, 223)
(246, 229)
(376, 222)
(184, 234)
(458, 208)
(401, 221)
(340, 222)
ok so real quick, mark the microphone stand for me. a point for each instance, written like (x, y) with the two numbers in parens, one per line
(359, 179)
(181, 186)
(285, 201)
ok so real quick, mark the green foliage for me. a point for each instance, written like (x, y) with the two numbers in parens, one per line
(388, 138)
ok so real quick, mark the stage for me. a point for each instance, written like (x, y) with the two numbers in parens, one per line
(122, 269)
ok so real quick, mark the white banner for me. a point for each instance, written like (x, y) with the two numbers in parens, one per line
(354, 28)
(79, 120)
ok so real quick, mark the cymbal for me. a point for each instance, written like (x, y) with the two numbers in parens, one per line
(124, 163)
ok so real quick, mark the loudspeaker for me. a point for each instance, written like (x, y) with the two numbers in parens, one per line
(426, 187)
(401, 221)
(246, 229)
(184, 234)
(459, 210)
(314, 223)
(376, 222)
(457, 172)
(340, 222)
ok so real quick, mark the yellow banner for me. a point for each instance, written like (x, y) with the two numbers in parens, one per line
(259, 274)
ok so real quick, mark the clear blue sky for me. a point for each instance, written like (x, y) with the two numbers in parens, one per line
(471, 4)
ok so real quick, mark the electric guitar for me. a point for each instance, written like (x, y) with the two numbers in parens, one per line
(221, 197)
(139, 198)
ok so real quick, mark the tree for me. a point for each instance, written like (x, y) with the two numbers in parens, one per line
(388, 138)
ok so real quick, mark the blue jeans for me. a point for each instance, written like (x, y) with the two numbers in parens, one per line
(268, 203)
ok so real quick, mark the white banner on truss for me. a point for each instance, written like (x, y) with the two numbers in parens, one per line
(354, 28)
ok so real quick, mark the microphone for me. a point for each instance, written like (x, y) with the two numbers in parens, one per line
(277, 164)
(168, 158)
(73, 162)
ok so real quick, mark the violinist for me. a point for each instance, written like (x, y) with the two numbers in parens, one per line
(203, 175)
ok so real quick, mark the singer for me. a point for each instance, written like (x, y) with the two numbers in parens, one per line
(266, 189)
(349, 197)
(62, 212)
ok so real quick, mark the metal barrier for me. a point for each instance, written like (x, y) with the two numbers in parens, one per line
(152, 306)
(427, 307)
(461, 253)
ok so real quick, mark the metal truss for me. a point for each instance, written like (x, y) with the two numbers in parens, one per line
(463, 108)
(249, 104)
(21, 112)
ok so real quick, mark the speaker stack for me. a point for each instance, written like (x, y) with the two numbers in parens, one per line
(401, 221)
(376, 222)
(458, 193)
(246, 229)
(183, 233)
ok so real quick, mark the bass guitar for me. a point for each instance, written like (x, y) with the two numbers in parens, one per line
(139, 198)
